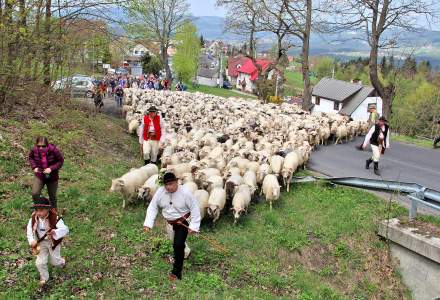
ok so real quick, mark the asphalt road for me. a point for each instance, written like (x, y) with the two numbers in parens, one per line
(403, 162)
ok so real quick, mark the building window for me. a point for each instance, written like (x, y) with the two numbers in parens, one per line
(318, 101)
(135, 52)
(336, 106)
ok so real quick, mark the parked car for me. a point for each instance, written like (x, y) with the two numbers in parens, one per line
(227, 85)
(121, 71)
(81, 86)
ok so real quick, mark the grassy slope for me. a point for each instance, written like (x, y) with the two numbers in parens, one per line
(294, 83)
(425, 143)
(318, 242)
(218, 91)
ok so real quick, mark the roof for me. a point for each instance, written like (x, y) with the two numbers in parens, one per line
(351, 104)
(133, 58)
(336, 90)
(208, 73)
(250, 68)
(234, 63)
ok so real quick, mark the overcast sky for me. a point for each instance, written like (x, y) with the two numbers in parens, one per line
(205, 8)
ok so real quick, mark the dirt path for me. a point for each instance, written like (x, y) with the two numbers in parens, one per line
(110, 108)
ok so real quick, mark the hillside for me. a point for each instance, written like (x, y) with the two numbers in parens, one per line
(319, 242)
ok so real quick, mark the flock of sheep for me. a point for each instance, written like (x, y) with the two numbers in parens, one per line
(226, 150)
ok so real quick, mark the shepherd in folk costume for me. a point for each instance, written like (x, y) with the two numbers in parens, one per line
(45, 160)
(379, 138)
(181, 211)
(151, 133)
(45, 231)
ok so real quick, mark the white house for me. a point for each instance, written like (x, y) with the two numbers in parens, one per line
(140, 50)
(248, 74)
(350, 99)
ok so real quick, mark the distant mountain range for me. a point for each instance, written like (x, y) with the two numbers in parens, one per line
(346, 45)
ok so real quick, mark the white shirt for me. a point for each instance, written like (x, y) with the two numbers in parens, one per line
(174, 206)
(42, 226)
(151, 129)
(370, 133)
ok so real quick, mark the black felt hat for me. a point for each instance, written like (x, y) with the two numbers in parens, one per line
(42, 202)
(152, 109)
(169, 177)
(383, 119)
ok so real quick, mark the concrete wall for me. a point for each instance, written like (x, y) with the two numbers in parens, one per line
(361, 113)
(325, 105)
(419, 273)
(418, 258)
(207, 81)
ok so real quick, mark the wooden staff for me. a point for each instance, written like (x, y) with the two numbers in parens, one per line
(214, 244)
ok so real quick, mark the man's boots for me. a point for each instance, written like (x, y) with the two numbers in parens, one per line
(376, 168)
(147, 161)
(368, 163)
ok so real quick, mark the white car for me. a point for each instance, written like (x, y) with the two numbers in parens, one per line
(76, 86)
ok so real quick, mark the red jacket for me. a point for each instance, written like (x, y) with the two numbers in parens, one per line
(157, 129)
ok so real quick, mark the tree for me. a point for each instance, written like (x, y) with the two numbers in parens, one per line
(202, 41)
(324, 67)
(187, 52)
(299, 14)
(375, 18)
(151, 64)
(409, 67)
(157, 20)
(243, 16)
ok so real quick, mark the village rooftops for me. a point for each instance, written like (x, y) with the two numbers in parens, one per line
(234, 63)
(336, 90)
(250, 68)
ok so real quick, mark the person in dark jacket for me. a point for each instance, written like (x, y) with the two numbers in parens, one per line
(437, 139)
(46, 161)
(379, 139)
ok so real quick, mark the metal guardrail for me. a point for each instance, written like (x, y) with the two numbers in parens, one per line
(416, 193)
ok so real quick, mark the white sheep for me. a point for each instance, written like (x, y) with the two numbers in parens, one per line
(250, 179)
(133, 126)
(149, 188)
(271, 189)
(128, 184)
(191, 186)
(241, 201)
(216, 202)
(290, 164)
(202, 197)
(276, 163)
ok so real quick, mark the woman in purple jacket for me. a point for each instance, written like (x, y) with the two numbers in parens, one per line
(45, 160)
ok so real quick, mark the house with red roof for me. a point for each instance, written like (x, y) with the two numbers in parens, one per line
(248, 74)
(235, 63)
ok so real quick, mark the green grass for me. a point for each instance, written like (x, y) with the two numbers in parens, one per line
(218, 91)
(294, 83)
(318, 242)
(425, 143)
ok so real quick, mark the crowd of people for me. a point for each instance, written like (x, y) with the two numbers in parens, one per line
(113, 85)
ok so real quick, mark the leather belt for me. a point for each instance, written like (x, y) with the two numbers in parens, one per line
(179, 220)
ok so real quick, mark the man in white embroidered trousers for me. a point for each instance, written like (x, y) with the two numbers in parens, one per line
(151, 133)
(379, 138)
